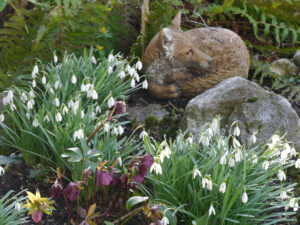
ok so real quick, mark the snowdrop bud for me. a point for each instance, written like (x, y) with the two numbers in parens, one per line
(253, 137)
(46, 119)
(58, 117)
(33, 83)
(122, 74)
(28, 115)
(265, 165)
(65, 110)
(56, 102)
(297, 163)
(44, 81)
(24, 97)
(139, 65)
(55, 59)
(296, 206)
(145, 84)
(56, 85)
(156, 167)
(110, 58)
(110, 70)
(196, 172)
(35, 71)
(281, 175)
(245, 198)
(223, 160)
(106, 127)
(211, 210)
(132, 83)
(283, 195)
(73, 79)
(35, 123)
(222, 187)
(231, 162)
(94, 60)
(292, 202)
(82, 114)
(31, 94)
(164, 221)
(1, 118)
(111, 102)
(2, 171)
(236, 131)
(143, 134)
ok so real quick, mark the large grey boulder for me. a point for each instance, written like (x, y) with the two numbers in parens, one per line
(254, 108)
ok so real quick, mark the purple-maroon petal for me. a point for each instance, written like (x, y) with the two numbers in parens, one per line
(120, 107)
(123, 178)
(103, 177)
(115, 179)
(56, 189)
(147, 161)
(139, 178)
(71, 191)
(36, 216)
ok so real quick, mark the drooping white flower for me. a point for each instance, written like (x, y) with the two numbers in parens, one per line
(253, 137)
(2, 171)
(73, 79)
(35, 71)
(58, 117)
(9, 98)
(231, 162)
(281, 175)
(83, 87)
(165, 153)
(111, 102)
(128, 68)
(31, 94)
(132, 83)
(292, 202)
(35, 123)
(189, 140)
(131, 72)
(136, 77)
(56, 102)
(115, 131)
(297, 163)
(122, 75)
(120, 160)
(110, 70)
(29, 105)
(94, 95)
(98, 109)
(120, 130)
(44, 81)
(156, 167)
(82, 114)
(238, 156)
(56, 84)
(222, 187)
(65, 110)
(145, 84)
(245, 198)
(78, 134)
(139, 65)
(110, 58)
(24, 97)
(211, 210)
(27, 115)
(265, 165)
(196, 172)
(12, 106)
(55, 59)
(1, 118)
(204, 182)
(33, 83)
(143, 134)
(214, 125)
(93, 59)
(296, 206)
(254, 157)
(75, 107)
(18, 206)
(92, 115)
(46, 119)
(283, 195)
(236, 131)
(164, 221)
(236, 143)
(209, 185)
(70, 104)
(223, 160)
(106, 127)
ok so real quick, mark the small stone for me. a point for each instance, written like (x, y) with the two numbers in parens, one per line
(296, 58)
(284, 67)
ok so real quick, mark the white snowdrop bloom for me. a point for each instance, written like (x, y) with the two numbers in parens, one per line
(44, 81)
(65, 110)
(196, 172)
(214, 125)
(56, 85)
(204, 182)
(210, 132)
(9, 98)
(136, 77)
(120, 160)
(293, 152)
(78, 134)
(70, 104)
(46, 119)
(281, 175)
(89, 93)
(83, 88)
(2, 171)
(94, 60)
(165, 153)
(1, 118)
(245, 198)
(33, 83)
(139, 65)
(35, 123)
(164, 221)
(111, 102)
(24, 97)
(211, 210)
(35, 71)
(94, 95)
(204, 139)
(115, 131)
(127, 68)
(143, 134)
(223, 160)
(156, 167)
(145, 84)
(18, 206)
(222, 187)
(236, 131)
(253, 137)
(287, 147)
(297, 163)
(209, 185)
(56, 102)
(296, 206)
(82, 114)
(231, 162)
(31, 94)
(120, 130)
(236, 143)
(221, 143)
(51, 90)
(132, 83)
(75, 107)
(92, 116)
(32, 101)
(122, 75)
(55, 59)
(110, 70)
(254, 157)
(110, 58)
(73, 79)
(238, 156)
(58, 117)
(283, 195)
(265, 165)
(275, 139)
(12, 107)
(98, 109)
(189, 140)
(106, 127)
(292, 202)
(28, 115)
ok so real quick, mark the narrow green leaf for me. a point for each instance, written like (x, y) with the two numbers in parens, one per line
(134, 201)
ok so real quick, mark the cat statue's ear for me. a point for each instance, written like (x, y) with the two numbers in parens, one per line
(176, 22)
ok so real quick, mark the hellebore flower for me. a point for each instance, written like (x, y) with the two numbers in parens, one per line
(56, 189)
(120, 107)
(146, 163)
(123, 178)
(87, 172)
(115, 178)
(36, 216)
(103, 177)
(72, 191)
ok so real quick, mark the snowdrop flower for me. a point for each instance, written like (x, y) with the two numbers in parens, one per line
(236, 143)
(211, 210)
(221, 143)
(164, 221)
(35, 123)
(127, 68)
(92, 116)
(75, 107)
(46, 119)
(94, 95)
(254, 161)
(189, 140)
(120, 130)
(214, 125)
(156, 167)
(297, 163)
(44, 81)
(209, 185)
(106, 127)
(33, 83)
(35, 71)
(98, 109)
(115, 131)
(238, 156)
(292, 202)
(143, 134)
(55, 59)
(29, 105)
(222, 187)
(120, 160)
(83, 88)
(56, 102)
(9, 98)
(253, 137)
(296, 206)
(196, 172)
(73, 79)
(265, 165)
(94, 60)
(28, 115)
(165, 153)
(18, 206)
(204, 182)
(1, 118)
(56, 85)
(245, 198)
(223, 160)
(110, 58)
(122, 74)
(236, 131)
(24, 97)
(145, 84)
(12, 107)
(139, 65)
(31, 94)
(2, 171)
(70, 104)
(58, 117)
(136, 77)
(110, 70)
(111, 102)
(231, 162)
(283, 195)
(78, 134)
(132, 83)
(281, 175)
(65, 110)
(82, 114)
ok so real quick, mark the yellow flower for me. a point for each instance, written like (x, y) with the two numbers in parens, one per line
(99, 47)
(103, 30)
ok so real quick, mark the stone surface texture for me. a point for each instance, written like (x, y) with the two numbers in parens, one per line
(284, 67)
(254, 108)
(296, 58)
